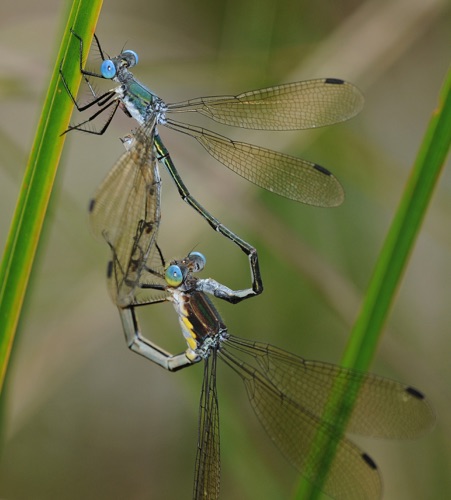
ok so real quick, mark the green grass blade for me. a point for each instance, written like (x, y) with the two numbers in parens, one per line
(387, 274)
(39, 176)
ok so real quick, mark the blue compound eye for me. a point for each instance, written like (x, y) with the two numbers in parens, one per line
(131, 56)
(173, 275)
(198, 261)
(108, 69)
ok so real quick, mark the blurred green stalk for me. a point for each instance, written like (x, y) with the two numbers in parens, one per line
(37, 184)
(385, 280)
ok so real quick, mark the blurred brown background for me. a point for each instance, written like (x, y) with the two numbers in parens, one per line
(86, 418)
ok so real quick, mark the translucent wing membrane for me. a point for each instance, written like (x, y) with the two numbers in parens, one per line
(384, 408)
(293, 431)
(289, 394)
(125, 211)
(207, 471)
(279, 173)
(293, 106)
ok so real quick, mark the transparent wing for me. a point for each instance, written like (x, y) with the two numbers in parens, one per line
(294, 106)
(125, 211)
(384, 408)
(279, 173)
(207, 472)
(293, 429)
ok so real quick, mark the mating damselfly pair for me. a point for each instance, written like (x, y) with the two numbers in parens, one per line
(287, 393)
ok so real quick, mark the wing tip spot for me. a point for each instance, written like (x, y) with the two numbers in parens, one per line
(415, 393)
(321, 169)
(369, 461)
(92, 203)
(109, 269)
(335, 81)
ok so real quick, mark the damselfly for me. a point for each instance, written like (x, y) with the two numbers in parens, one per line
(293, 106)
(287, 393)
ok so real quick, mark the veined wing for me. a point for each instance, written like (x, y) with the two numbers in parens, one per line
(352, 475)
(288, 176)
(293, 106)
(207, 472)
(125, 211)
(384, 408)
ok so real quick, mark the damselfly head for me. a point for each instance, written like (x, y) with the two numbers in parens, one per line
(110, 67)
(177, 271)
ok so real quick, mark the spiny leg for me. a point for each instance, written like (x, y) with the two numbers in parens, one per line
(105, 100)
